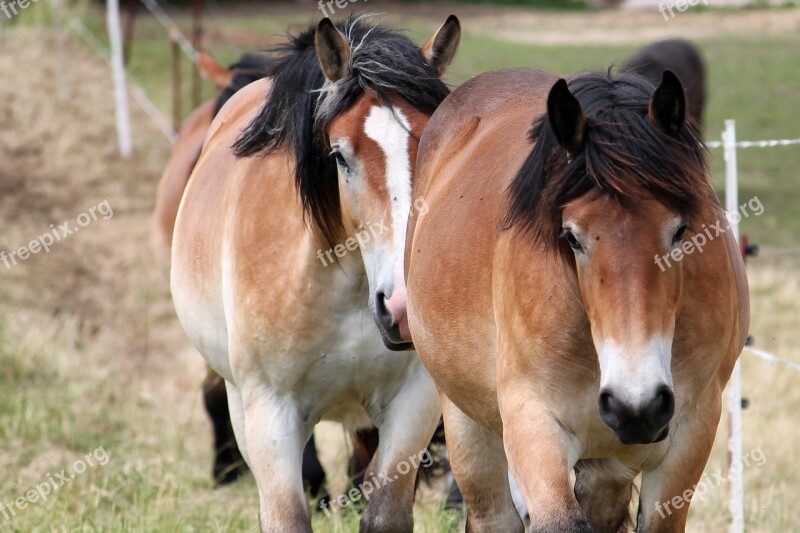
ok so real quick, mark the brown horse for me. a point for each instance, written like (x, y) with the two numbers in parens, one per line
(287, 249)
(228, 462)
(538, 305)
(681, 57)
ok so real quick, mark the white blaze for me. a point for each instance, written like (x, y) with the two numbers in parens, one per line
(390, 129)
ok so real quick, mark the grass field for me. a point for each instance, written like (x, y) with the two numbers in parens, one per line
(92, 358)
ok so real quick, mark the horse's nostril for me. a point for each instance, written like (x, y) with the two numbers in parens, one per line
(612, 410)
(605, 400)
(662, 407)
(641, 422)
(380, 307)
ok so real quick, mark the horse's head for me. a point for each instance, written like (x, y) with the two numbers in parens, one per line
(380, 94)
(622, 180)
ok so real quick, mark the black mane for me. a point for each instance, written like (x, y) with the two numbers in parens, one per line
(301, 105)
(624, 156)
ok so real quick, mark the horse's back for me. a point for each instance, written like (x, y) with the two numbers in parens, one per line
(484, 121)
(494, 102)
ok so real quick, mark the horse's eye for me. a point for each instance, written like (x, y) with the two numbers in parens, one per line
(679, 234)
(341, 162)
(571, 240)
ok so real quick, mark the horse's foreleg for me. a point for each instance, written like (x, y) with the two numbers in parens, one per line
(478, 463)
(313, 472)
(405, 428)
(540, 456)
(604, 488)
(274, 436)
(668, 489)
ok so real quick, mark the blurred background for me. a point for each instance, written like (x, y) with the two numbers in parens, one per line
(91, 354)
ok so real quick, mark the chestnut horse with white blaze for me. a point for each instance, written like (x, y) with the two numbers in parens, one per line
(537, 305)
(323, 148)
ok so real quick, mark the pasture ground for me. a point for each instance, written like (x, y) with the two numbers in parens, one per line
(91, 354)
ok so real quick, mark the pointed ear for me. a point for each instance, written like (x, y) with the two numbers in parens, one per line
(441, 48)
(668, 105)
(566, 117)
(333, 50)
(211, 69)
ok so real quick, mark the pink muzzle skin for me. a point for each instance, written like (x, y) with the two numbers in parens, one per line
(396, 305)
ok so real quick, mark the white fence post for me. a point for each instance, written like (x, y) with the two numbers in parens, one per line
(735, 474)
(118, 70)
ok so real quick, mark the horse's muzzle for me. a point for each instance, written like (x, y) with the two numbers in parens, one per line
(645, 423)
(393, 328)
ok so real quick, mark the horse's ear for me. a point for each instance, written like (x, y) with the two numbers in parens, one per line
(211, 69)
(566, 117)
(668, 104)
(333, 50)
(441, 48)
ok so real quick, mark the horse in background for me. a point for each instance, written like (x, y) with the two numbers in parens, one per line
(681, 57)
(327, 156)
(575, 297)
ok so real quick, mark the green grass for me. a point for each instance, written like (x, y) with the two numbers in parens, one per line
(53, 416)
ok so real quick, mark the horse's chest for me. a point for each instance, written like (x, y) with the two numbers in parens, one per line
(347, 364)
